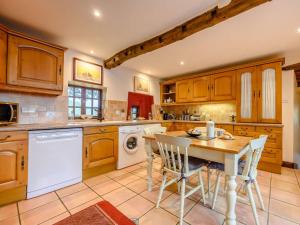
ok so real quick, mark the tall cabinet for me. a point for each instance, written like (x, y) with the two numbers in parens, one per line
(259, 93)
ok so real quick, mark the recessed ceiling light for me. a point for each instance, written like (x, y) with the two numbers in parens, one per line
(181, 63)
(97, 13)
(298, 30)
(92, 52)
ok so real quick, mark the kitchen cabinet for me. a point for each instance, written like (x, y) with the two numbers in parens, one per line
(13, 164)
(35, 65)
(201, 89)
(223, 86)
(100, 146)
(259, 93)
(183, 91)
(30, 65)
(3, 53)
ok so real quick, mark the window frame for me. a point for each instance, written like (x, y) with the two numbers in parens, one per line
(83, 101)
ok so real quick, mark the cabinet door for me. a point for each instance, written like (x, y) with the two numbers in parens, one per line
(246, 95)
(13, 164)
(3, 55)
(200, 89)
(223, 86)
(100, 149)
(269, 93)
(183, 91)
(31, 64)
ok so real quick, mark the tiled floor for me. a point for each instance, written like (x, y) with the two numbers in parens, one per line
(126, 189)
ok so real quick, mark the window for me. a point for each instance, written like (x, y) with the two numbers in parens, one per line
(84, 101)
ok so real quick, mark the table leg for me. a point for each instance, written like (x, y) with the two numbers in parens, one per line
(149, 152)
(231, 167)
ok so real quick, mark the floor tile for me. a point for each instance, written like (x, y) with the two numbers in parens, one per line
(29, 204)
(8, 211)
(152, 195)
(200, 215)
(136, 207)
(285, 186)
(79, 198)
(119, 196)
(285, 210)
(85, 205)
(285, 196)
(275, 220)
(244, 215)
(264, 173)
(290, 179)
(172, 204)
(265, 190)
(42, 213)
(116, 173)
(56, 219)
(143, 164)
(96, 180)
(288, 172)
(106, 187)
(126, 178)
(141, 172)
(71, 189)
(264, 180)
(138, 186)
(10, 221)
(158, 217)
(131, 168)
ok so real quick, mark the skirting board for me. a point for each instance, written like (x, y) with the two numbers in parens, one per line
(289, 165)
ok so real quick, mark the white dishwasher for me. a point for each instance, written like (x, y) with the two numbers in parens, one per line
(54, 160)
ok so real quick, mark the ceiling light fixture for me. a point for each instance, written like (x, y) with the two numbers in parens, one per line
(298, 30)
(181, 63)
(92, 52)
(97, 13)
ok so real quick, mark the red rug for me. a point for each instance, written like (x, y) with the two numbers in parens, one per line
(102, 213)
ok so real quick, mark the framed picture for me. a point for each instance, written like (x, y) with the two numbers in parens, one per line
(141, 84)
(87, 72)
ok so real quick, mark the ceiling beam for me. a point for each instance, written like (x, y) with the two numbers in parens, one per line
(292, 67)
(201, 22)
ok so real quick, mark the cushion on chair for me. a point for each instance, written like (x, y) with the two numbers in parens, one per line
(220, 166)
(195, 163)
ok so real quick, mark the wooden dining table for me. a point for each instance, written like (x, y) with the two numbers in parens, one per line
(227, 152)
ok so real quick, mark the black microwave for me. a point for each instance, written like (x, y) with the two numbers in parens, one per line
(8, 113)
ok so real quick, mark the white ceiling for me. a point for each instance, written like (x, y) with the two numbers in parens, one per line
(265, 30)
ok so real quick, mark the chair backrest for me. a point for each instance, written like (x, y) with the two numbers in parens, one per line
(155, 129)
(253, 155)
(170, 149)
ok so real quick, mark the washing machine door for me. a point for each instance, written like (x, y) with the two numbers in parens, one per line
(131, 143)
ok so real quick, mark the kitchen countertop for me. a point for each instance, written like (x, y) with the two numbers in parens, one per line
(73, 124)
(229, 123)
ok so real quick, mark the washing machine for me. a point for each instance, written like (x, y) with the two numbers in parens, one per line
(131, 145)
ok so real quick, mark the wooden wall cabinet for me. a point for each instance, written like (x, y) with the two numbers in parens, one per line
(100, 146)
(259, 94)
(201, 89)
(183, 91)
(223, 86)
(13, 161)
(30, 65)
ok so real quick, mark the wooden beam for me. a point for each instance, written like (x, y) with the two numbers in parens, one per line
(292, 67)
(201, 22)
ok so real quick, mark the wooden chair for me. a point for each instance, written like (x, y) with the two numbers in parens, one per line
(178, 163)
(247, 172)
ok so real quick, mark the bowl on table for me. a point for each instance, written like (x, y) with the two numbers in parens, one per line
(194, 132)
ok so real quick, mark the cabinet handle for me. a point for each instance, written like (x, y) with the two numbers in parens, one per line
(60, 70)
(208, 87)
(212, 87)
(259, 93)
(86, 152)
(3, 139)
(102, 130)
(254, 94)
(22, 163)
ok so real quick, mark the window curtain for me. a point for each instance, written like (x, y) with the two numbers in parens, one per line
(268, 94)
(246, 95)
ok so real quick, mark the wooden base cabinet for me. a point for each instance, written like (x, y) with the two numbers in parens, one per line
(100, 146)
(13, 166)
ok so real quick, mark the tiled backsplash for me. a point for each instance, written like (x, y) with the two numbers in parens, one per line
(115, 110)
(220, 112)
(38, 109)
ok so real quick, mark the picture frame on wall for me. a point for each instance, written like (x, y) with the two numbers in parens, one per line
(87, 72)
(141, 84)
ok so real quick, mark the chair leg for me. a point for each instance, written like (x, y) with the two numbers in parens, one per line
(162, 187)
(260, 199)
(225, 186)
(216, 191)
(202, 186)
(208, 182)
(182, 197)
(252, 202)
